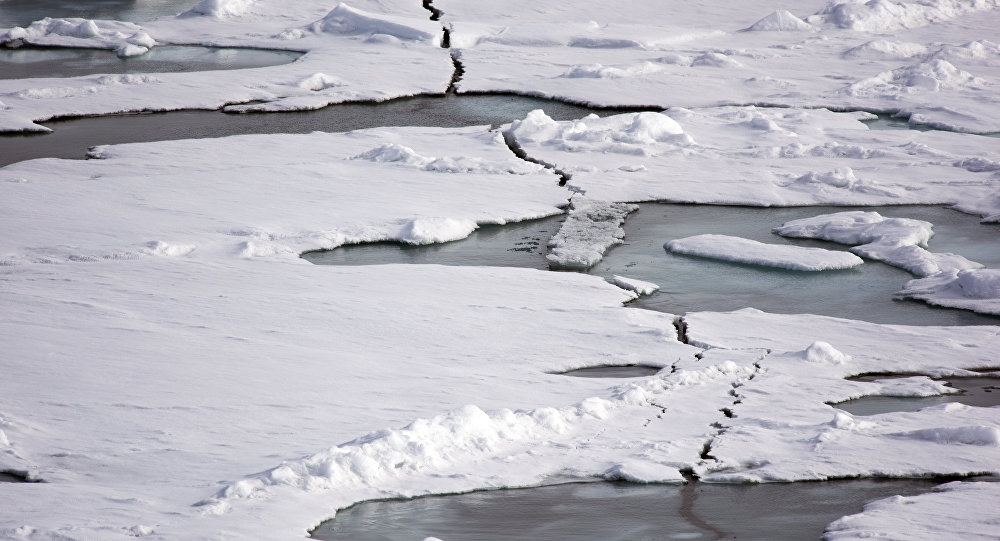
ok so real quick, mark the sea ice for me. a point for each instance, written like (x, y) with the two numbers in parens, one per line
(589, 230)
(739, 250)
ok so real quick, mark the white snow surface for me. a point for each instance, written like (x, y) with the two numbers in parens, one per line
(926, 516)
(639, 286)
(704, 54)
(740, 250)
(764, 157)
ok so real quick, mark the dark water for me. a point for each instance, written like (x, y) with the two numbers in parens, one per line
(697, 284)
(26, 62)
(24, 12)
(624, 371)
(72, 137)
(982, 392)
(613, 512)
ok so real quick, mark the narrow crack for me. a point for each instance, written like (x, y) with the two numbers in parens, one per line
(682, 328)
(456, 75)
(515, 147)
(435, 12)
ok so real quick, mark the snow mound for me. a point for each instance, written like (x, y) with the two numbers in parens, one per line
(748, 251)
(599, 71)
(885, 49)
(319, 81)
(888, 16)
(632, 133)
(926, 516)
(220, 9)
(346, 20)
(716, 60)
(823, 352)
(931, 76)
(895, 241)
(168, 249)
(780, 21)
(434, 230)
(638, 286)
(589, 230)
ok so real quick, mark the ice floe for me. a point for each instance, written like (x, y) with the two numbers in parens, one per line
(739, 250)
(589, 230)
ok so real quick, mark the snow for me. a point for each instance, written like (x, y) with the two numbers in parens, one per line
(927, 516)
(639, 286)
(590, 229)
(763, 157)
(740, 250)
(175, 370)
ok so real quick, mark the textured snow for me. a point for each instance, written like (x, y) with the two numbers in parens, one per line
(740, 250)
(588, 231)
(767, 157)
(927, 516)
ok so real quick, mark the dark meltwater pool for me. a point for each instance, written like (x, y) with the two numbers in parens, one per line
(72, 137)
(618, 512)
(27, 62)
(623, 371)
(24, 12)
(983, 392)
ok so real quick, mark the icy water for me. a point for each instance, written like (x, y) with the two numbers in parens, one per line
(26, 62)
(981, 392)
(24, 12)
(625, 371)
(690, 283)
(72, 137)
(890, 122)
(697, 284)
(614, 511)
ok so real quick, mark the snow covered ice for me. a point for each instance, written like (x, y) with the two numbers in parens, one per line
(175, 370)
(758, 253)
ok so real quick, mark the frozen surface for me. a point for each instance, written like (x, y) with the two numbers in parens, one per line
(639, 286)
(927, 516)
(934, 61)
(363, 51)
(764, 157)
(748, 251)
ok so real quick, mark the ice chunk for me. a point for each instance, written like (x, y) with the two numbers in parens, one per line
(589, 230)
(742, 250)
(972, 289)
(220, 8)
(346, 20)
(639, 286)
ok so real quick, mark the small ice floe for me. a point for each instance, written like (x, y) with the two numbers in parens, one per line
(638, 286)
(748, 251)
(971, 289)
(590, 229)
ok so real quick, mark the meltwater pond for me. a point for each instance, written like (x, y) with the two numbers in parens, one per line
(29, 61)
(983, 392)
(689, 284)
(614, 511)
(24, 12)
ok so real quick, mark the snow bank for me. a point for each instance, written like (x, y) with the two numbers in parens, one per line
(887, 16)
(639, 286)
(957, 510)
(896, 241)
(589, 230)
(350, 21)
(931, 76)
(748, 251)
(761, 156)
(406, 156)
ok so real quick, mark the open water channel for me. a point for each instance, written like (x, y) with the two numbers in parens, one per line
(567, 511)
